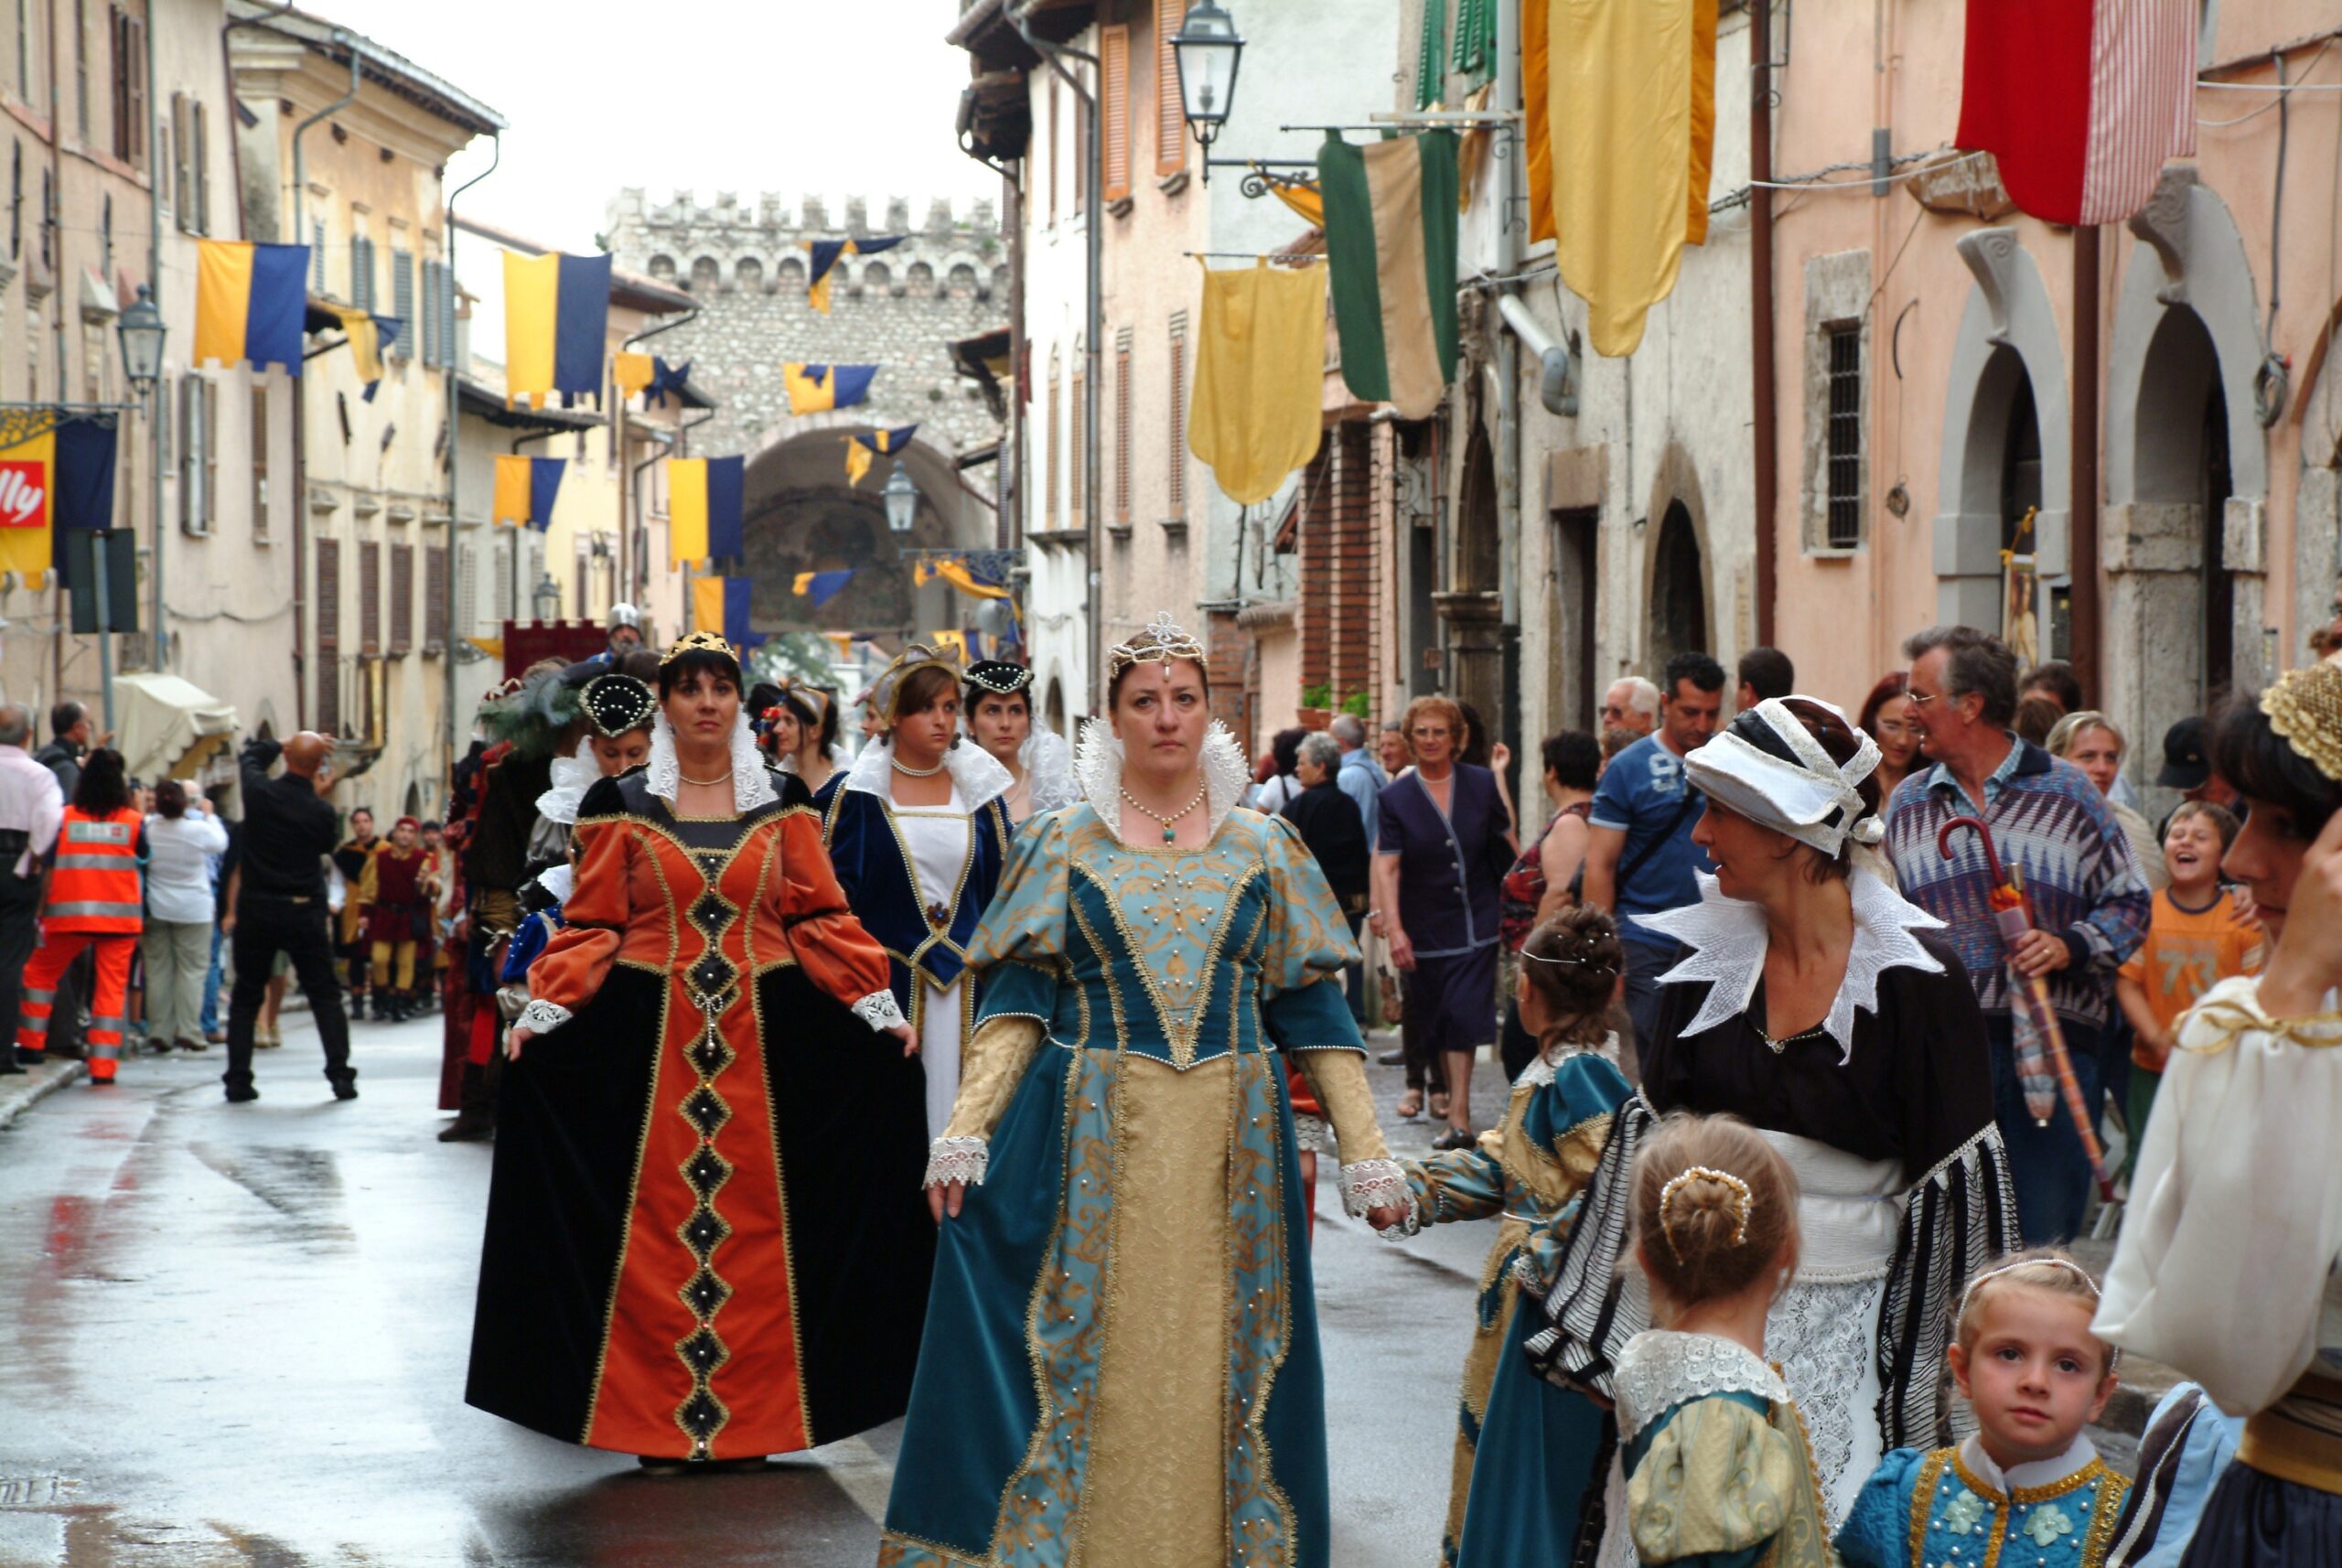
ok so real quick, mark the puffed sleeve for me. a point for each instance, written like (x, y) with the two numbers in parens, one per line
(1019, 951)
(576, 960)
(836, 954)
(2237, 1188)
(1459, 1184)
(1571, 1118)
(1877, 1531)
(1308, 945)
(1716, 1485)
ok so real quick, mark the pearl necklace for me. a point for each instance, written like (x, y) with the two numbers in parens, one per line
(1170, 830)
(905, 768)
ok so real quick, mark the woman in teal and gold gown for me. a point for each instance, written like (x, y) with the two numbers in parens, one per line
(1124, 1366)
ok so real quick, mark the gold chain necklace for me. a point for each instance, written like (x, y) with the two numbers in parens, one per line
(703, 783)
(1170, 832)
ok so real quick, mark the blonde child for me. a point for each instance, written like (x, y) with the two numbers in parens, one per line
(2196, 939)
(2027, 1490)
(1516, 1432)
(1717, 1470)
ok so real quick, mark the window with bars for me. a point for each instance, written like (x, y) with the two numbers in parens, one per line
(435, 599)
(402, 598)
(328, 623)
(260, 461)
(1170, 110)
(370, 596)
(1175, 482)
(402, 303)
(1123, 427)
(1114, 105)
(1844, 483)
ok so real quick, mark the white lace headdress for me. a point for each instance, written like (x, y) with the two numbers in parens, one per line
(1799, 798)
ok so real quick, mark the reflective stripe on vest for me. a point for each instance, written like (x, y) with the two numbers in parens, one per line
(94, 884)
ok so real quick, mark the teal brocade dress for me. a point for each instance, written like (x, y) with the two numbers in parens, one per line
(1519, 1436)
(1122, 1358)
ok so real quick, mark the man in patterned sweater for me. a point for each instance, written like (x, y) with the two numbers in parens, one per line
(2090, 898)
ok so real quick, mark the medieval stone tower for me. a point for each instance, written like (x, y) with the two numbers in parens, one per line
(901, 309)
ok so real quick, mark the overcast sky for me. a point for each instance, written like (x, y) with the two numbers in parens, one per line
(824, 97)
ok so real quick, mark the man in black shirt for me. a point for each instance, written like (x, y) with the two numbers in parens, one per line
(280, 904)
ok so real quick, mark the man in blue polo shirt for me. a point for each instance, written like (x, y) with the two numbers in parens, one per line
(1640, 858)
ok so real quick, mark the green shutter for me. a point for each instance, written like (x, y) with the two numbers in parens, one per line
(1430, 65)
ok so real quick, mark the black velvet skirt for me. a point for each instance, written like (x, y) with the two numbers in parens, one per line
(2255, 1520)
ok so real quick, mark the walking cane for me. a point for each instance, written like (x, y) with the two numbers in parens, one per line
(2010, 913)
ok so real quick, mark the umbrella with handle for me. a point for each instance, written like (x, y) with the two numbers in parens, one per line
(2043, 1039)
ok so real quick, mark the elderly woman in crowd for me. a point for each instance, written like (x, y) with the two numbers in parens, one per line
(2088, 739)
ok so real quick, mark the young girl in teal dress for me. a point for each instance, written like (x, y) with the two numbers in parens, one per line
(2027, 1490)
(1515, 1432)
(1718, 1470)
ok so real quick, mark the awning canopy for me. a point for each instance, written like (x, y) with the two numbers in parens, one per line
(168, 727)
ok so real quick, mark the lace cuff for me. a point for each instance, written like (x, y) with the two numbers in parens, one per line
(879, 1011)
(541, 1017)
(957, 1159)
(1375, 1184)
(1311, 1133)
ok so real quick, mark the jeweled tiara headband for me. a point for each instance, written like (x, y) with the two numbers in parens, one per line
(1164, 640)
(699, 642)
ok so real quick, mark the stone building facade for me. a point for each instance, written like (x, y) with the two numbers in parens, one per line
(745, 264)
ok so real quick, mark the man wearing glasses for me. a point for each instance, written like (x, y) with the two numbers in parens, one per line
(1631, 704)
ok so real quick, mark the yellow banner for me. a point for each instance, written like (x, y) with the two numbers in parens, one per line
(512, 491)
(687, 513)
(707, 604)
(27, 489)
(531, 304)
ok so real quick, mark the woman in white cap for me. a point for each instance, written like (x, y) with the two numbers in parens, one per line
(1820, 1006)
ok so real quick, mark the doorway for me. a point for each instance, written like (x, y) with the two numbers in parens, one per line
(1679, 590)
(1577, 536)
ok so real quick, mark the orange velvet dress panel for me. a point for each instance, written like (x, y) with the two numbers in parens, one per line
(706, 1238)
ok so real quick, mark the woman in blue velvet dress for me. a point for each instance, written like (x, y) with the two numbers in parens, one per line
(1128, 1371)
(1520, 1439)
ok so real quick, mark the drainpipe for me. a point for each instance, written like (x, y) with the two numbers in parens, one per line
(2081, 528)
(1094, 234)
(453, 395)
(1511, 219)
(1763, 415)
(618, 435)
(343, 37)
(154, 406)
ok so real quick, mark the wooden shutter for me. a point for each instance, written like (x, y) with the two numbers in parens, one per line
(370, 596)
(1114, 69)
(1170, 112)
(401, 597)
(402, 303)
(446, 317)
(329, 622)
(1077, 461)
(118, 80)
(196, 464)
(362, 272)
(318, 255)
(211, 453)
(1122, 429)
(260, 460)
(435, 599)
(182, 187)
(1174, 487)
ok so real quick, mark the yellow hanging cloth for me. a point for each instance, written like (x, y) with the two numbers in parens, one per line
(1631, 118)
(1536, 109)
(1260, 376)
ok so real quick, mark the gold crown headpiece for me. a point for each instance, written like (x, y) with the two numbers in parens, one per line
(699, 642)
(1162, 638)
(2305, 707)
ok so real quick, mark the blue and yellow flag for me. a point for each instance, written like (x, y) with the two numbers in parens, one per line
(721, 603)
(62, 478)
(822, 586)
(814, 388)
(825, 260)
(632, 372)
(863, 444)
(705, 496)
(664, 379)
(556, 325)
(250, 300)
(526, 488)
(956, 572)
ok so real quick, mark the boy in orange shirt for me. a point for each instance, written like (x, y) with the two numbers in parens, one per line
(2195, 939)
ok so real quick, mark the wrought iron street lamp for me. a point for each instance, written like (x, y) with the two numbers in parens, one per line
(902, 501)
(546, 596)
(1209, 50)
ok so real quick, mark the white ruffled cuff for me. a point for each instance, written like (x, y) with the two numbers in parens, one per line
(1375, 1184)
(879, 1011)
(541, 1017)
(1311, 1133)
(957, 1159)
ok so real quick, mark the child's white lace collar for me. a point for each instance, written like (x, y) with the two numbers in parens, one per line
(1660, 1369)
(751, 785)
(1729, 941)
(2079, 1456)
(1098, 769)
(977, 772)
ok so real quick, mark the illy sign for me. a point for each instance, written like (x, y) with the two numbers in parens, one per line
(24, 495)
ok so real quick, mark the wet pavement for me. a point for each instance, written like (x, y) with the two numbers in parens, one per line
(237, 1337)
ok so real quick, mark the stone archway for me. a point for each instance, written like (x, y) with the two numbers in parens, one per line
(2187, 469)
(804, 516)
(2008, 367)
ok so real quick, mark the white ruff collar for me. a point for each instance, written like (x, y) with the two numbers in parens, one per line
(572, 777)
(1047, 762)
(1729, 940)
(977, 772)
(1660, 1369)
(751, 785)
(1098, 769)
(2079, 1456)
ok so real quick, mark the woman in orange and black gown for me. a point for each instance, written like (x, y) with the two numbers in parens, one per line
(706, 1238)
